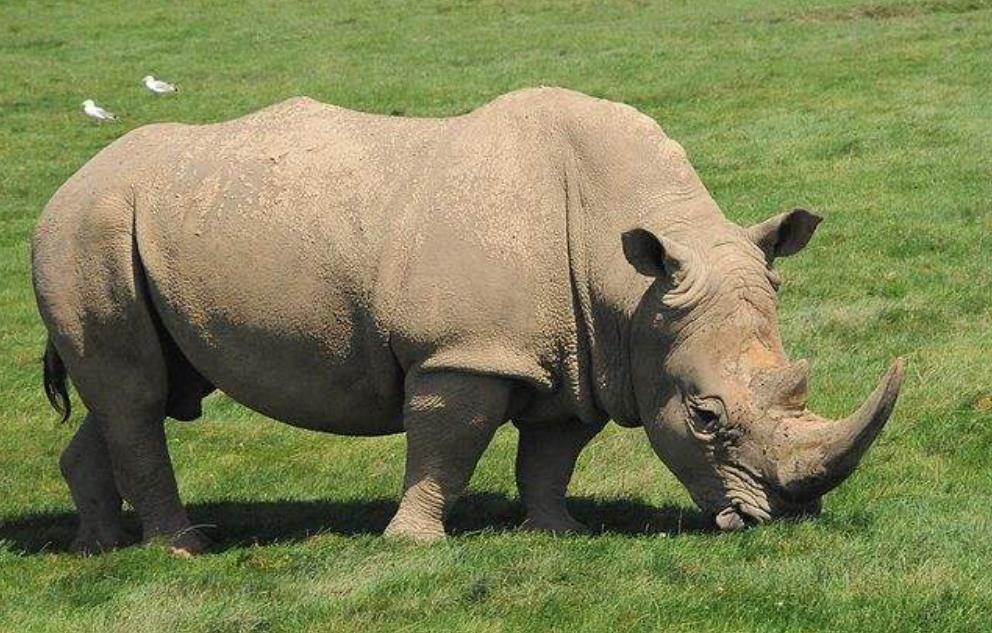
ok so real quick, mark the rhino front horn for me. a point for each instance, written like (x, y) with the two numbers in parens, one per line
(819, 454)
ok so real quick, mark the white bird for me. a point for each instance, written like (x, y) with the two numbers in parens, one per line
(158, 86)
(97, 113)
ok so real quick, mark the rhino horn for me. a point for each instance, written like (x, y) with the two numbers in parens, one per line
(816, 455)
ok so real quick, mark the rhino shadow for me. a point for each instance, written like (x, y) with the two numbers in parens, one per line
(234, 524)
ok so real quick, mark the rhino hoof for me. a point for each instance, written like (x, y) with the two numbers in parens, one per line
(90, 544)
(185, 544)
(398, 530)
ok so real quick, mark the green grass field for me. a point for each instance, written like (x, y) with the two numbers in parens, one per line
(876, 115)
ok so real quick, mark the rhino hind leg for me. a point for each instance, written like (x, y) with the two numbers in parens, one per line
(450, 419)
(546, 456)
(85, 465)
(125, 389)
(144, 476)
(94, 300)
(120, 450)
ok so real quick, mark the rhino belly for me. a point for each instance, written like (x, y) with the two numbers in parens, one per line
(327, 376)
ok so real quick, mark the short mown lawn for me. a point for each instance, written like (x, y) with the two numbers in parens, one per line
(875, 114)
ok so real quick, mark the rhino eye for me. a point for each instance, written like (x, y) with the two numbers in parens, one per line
(706, 416)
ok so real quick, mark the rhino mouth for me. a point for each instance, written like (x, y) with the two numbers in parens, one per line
(739, 517)
(750, 501)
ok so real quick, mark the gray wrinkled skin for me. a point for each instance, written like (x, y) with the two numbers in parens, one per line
(550, 258)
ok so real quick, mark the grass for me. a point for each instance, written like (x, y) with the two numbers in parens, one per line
(876, 114)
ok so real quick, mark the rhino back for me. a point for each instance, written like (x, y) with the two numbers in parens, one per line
(305, 257)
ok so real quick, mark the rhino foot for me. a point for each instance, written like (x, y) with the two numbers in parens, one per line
(185, 544)
(416, 531)
(91, 542)
(189, 543)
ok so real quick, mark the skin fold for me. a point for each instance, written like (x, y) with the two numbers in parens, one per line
(549, 258)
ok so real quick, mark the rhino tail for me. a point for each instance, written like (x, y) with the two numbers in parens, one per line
(56, 385)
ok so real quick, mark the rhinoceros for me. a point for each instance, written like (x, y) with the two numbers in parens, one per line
(548, 258)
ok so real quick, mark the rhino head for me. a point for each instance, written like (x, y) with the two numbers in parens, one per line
(722, 405)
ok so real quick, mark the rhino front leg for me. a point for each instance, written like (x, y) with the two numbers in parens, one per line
(449, 420)
(85, 465)
(546, 457)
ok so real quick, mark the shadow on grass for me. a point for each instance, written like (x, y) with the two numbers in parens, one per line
(232, 524)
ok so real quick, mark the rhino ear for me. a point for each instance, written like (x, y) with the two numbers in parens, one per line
(785, 234)
(656, 256)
